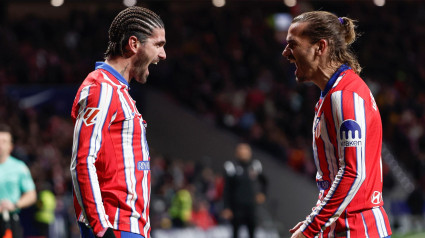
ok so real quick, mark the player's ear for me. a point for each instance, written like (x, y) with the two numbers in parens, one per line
(133, 41)
(131, 47)
(322, 46)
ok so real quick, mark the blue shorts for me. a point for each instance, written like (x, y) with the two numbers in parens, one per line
(88, 233)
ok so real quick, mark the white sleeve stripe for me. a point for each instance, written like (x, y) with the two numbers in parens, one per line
(77, 129)
(380, 223)
(117, 218)
(129, 163)
(365, 226)
(319, 173)
(145, 186)
(336, 99)
(83, 99)
(329, 151)
(129, 167)
(146, 200)
(126, 108)
(105, 100)
(347, 225)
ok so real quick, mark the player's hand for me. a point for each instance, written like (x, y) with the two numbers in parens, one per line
(227, 214)
(298, 234)
(108, 234)
(296, 227)
(7, 205)
(260, 198)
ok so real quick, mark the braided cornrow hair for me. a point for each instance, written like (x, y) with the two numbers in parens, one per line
(132, 21)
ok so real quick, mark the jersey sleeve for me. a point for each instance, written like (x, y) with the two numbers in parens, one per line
(93, 112)
(345, 114)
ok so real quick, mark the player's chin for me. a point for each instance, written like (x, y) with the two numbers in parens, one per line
(301, 79)
(141, 79)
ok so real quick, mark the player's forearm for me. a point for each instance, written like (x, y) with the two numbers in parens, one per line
(27, 199)
(345, 186)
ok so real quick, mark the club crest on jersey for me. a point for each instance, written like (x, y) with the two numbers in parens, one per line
(143, 165)
(323, 185)
(90, 115)
(350, 134)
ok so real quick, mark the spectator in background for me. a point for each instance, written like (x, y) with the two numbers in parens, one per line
(45, 214)
(17, 188)
(181, 207)
(244, 189)
(201, 217)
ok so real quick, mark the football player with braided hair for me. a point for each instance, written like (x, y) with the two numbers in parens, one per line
(110, 162)
(347, 130)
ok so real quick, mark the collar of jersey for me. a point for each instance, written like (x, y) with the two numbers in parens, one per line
(334, 77)
(107, 67)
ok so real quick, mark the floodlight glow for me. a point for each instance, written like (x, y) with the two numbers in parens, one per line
(129, 3)
(56, 3)
(219, 3)
(379, 3)
(290, 3)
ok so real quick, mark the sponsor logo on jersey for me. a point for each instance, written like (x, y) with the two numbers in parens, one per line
(323, 185)
(350, 134)
(143, 165)
(90, 115)
(376, 197)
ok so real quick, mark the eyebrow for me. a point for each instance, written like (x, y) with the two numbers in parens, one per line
(162, 42)
(291, 40)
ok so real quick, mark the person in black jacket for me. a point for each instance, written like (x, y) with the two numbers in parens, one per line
(244, 189)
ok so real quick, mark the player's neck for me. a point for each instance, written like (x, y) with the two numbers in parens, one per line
(121, 65)
(3, 158)
(324, 74)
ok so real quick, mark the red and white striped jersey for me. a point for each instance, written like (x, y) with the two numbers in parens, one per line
(110, 163)
(347, 141)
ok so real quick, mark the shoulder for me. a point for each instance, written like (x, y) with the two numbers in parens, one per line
(17, 164)
(348, 87)
(256, 165)
(97, 78)
(95, 84)
(349, 81)
(229, 168)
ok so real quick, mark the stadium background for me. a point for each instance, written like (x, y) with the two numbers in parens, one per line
(224, 80)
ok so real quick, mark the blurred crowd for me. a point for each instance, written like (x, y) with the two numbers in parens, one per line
(226, 65)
